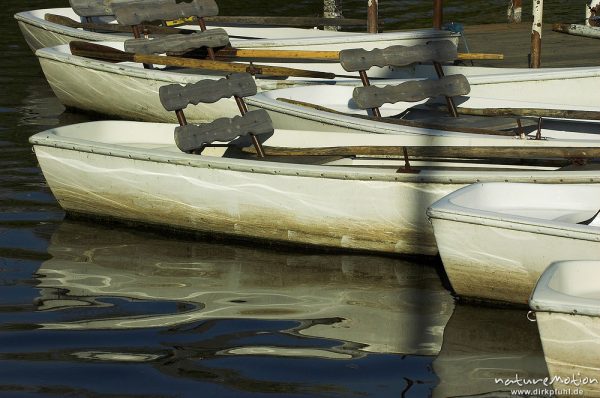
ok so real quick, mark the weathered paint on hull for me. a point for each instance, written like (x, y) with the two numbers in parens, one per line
(572, 350)
(37, 37)
(381, 216)
(502, 264)
(125, 96)
(132, 93)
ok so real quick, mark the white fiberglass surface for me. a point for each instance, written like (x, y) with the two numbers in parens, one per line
(577, 278)
(559, 202)
(119, 132)
(338, 97)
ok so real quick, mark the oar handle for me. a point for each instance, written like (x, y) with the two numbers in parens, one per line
(281, 54)
(480, 56)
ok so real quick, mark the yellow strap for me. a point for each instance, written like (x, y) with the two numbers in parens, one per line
(180, 21)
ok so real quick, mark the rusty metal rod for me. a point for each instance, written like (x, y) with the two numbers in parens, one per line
(136, 34)
(372, 16)
(209, 50)
(449, 100)
(180, 117)
(438, 14)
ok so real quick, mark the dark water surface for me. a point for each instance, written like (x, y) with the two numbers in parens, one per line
(95, 311)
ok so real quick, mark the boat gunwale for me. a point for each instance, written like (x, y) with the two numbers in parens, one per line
(549, 300)
(81, 34)
(444, 209)
(50, 139)
(333, 39)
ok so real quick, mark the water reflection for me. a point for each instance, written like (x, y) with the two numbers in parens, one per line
(482, 344)
(372, 304)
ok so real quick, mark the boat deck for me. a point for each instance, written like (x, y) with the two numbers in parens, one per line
(514, 41)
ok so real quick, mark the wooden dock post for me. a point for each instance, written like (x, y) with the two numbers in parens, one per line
(536, 34)
(332, 9)
(515, 11)
(372, 16)
(438, 14)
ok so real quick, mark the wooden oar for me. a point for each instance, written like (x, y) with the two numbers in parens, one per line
(233, 52)
(463, 152)
(524, 112)
(229, 52)
(65, 21)
(286, 21)
(480, 56)
(403, 122)
(105, 53)
(324, 55)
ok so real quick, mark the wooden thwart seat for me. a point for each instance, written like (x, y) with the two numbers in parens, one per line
(194, 138)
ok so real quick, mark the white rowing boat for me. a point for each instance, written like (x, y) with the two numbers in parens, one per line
(566, 301)
(333, 108)
(137, 172)
(40, 33)
(133, 171)
(495, 240)
(129, 91)
(215, 281)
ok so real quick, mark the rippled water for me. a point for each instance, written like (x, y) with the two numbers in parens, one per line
(96, 311)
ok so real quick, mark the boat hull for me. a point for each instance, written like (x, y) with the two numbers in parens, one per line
(285, 209)
(493, 246)
(501, 263)
(133, 171)
(571, 350)
(566, 301)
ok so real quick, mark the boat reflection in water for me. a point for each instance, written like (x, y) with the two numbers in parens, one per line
(368, 303)
(483, 344)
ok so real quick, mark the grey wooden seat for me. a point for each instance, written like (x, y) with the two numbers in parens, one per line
(91, 8)
(136, 13)
(178, 44)
(194, 138)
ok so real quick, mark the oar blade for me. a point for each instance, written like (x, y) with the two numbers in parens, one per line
(99, 52)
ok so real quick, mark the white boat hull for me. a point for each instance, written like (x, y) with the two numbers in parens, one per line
(566, 301)
(494, 247)
(128, 91)
(132, 171)
(571, 350)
